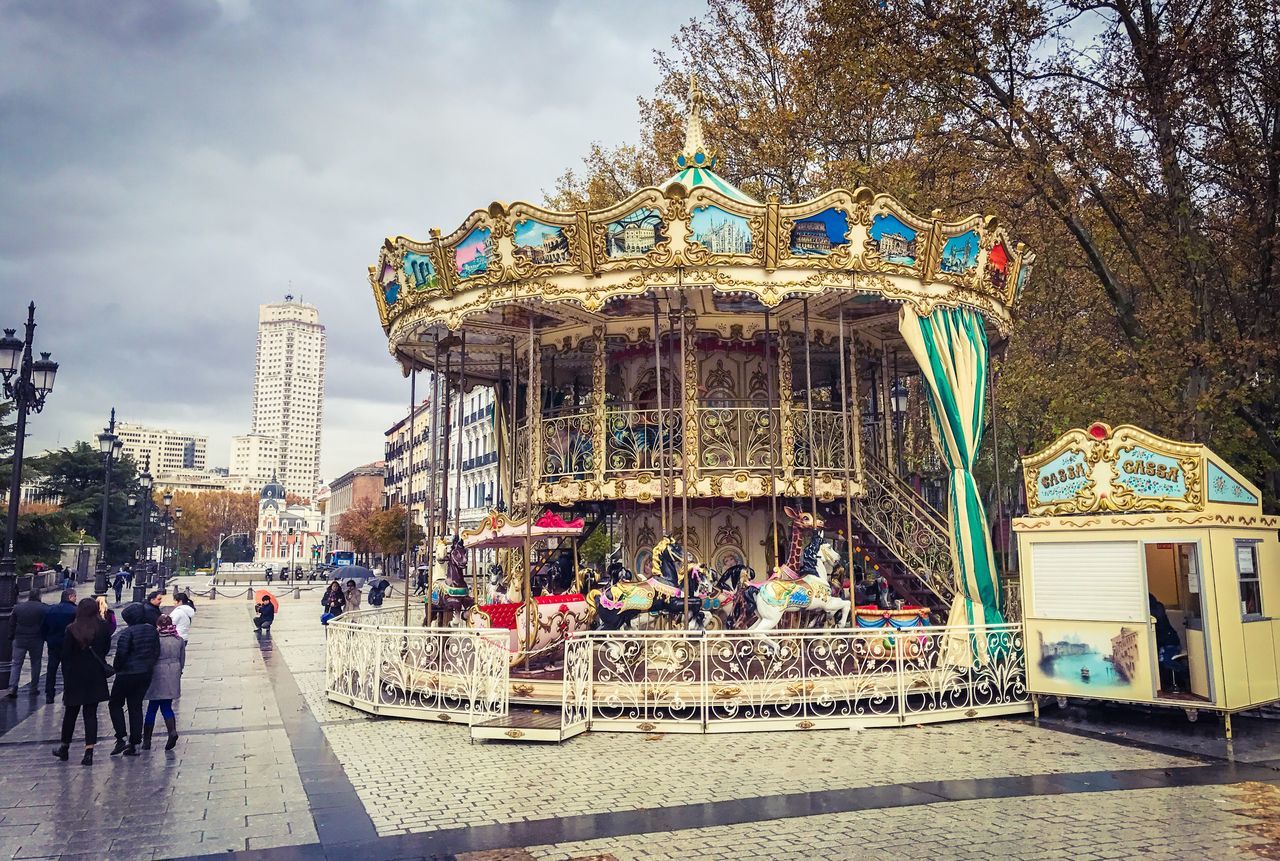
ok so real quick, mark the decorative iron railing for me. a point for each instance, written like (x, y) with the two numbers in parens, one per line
(732, 681)
(907, 527)
(374, 663)
(737, 437)
(828, 439)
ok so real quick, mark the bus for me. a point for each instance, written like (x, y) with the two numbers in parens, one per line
(342, 558)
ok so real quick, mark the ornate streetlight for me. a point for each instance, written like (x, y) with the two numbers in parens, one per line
(110, 446)
(898, 399)
(140, 576)
(166, 529)
(27, 383)
(177, 541)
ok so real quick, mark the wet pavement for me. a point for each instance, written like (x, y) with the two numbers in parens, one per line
(268, 768)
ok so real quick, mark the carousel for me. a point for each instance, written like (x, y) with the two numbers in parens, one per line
(711, 381)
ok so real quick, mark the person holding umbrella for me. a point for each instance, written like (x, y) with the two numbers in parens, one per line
(267, 606)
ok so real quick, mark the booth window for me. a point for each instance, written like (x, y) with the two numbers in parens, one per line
(1247, 571)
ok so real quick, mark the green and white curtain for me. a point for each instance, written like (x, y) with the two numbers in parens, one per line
(950, 346)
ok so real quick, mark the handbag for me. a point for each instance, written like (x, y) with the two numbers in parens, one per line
(108, 670)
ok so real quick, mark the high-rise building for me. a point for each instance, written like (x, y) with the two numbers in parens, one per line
(288, 399)
(162, 450)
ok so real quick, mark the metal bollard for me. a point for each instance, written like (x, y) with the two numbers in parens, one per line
(248, 593)
(297, 591)
(213, 592)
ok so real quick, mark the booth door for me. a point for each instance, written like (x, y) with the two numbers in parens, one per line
(1174, 579)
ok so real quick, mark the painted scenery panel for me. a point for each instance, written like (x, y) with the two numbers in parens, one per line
(720, 232)
(895, 241)
(998, 265)
(960, 253)
(634, 235)
(420, 270)
(1090, 659)
(540, 244)
(820, 232)
(474, 253)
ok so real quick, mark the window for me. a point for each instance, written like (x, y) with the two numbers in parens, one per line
(1247, 571)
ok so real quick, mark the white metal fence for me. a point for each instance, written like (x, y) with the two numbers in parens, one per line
(734, 681)
(376, 664)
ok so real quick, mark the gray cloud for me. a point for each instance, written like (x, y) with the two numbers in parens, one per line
(169, 166)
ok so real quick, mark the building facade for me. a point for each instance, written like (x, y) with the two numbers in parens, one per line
(288, 398)
(163, 450)
(360, 484)
(190, 481)
(473, 473)
(287, 535)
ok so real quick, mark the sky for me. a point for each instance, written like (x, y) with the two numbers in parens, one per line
(168, 166)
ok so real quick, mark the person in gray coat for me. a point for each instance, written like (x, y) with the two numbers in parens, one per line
(166, 683)
(26, 630)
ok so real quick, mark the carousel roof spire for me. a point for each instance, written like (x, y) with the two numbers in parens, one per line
(696, 159)
(695, 152)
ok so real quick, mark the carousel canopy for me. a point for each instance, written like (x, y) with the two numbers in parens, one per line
(695, 241)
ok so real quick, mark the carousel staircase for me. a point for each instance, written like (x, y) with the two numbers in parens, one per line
(899, 531)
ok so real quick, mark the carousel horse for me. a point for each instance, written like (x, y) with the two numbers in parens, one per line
(450, 595)
(497, 593)
(811, 591)
(722, 597)
(556, 577)
(661, 594)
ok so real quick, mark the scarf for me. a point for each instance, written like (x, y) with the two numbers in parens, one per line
(166, 628)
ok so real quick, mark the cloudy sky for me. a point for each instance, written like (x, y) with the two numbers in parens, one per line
(168, 165)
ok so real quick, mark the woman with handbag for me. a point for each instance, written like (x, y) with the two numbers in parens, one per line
(84, 673)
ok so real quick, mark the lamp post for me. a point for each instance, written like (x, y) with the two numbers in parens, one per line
(166, 528)
(27, 383)
(293, 542)
(110, 446)
(177, 541)
(898, 397)
(140, 576)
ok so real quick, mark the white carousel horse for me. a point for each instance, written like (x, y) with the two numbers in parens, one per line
(810, 592)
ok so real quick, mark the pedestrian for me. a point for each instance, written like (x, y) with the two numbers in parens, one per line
(183, 615)
(65, 574)
(166, 683)
(420, 585)
(152, 608)
(266, 614)
(137, 649)
(26, 630)
(128, 578)
(333, 602)
(83, 654)
(105, 613)
(118, 584)
(54, 630)
(352, 595)
(268, 575)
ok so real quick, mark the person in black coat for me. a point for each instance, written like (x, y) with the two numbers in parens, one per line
(266, 614)
(152, 607)
(26, 630)
(84, 671)
(54, 629)
(137, 649)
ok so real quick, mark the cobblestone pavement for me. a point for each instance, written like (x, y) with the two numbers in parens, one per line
(266, 763)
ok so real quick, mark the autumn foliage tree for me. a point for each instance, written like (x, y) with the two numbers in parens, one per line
(1134, 146)
(208, 515)
(356, 526)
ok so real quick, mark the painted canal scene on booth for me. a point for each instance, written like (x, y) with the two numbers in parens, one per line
(539, 243)
(895, 241)
(820, 232)
(636, 234)
(473, 254)
(1091, 660)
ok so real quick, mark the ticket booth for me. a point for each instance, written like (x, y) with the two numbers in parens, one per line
(1149, 575)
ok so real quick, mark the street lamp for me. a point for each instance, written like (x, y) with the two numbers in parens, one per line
(27, 383)
(177, 540)
(898, 400)
(110, 446)
(166, 528)
(140, 576)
